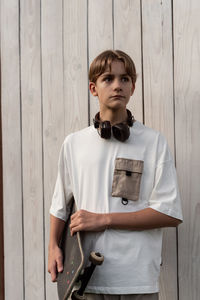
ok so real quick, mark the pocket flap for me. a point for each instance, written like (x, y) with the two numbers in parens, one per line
(127, 164)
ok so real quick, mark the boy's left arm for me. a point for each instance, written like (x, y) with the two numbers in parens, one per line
(144, 219)
(147, 218)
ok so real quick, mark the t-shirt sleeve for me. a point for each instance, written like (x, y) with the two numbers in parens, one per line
(62, 195)
(165, 196)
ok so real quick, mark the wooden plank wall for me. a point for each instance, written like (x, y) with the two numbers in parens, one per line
(46, 49)
(12, 151)
(187, 128)
(1, 210)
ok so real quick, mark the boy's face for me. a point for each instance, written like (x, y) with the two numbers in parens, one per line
(114, 88)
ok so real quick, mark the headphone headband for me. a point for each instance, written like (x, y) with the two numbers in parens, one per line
(130, 119)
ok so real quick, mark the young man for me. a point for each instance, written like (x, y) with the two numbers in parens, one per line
(123, 179)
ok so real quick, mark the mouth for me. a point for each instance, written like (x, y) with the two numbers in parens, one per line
(117, 96)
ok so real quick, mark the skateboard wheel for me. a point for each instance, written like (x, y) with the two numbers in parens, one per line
(96, 258)
(76, 296)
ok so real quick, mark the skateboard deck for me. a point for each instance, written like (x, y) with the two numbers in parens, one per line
(73, 263)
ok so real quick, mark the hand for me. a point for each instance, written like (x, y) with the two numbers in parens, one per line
(55, 262)
(84, 220)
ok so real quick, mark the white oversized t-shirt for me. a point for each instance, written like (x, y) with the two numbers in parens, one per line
(85, 169)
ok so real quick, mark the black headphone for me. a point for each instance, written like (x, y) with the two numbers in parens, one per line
(120, 131)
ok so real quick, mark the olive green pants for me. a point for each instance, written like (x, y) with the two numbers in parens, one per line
(122, 297)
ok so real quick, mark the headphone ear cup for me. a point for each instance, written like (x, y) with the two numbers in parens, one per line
(105, 130)
(121, 132)
(96, 120)
(130, 119)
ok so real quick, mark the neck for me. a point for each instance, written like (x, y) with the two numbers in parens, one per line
(115, 117)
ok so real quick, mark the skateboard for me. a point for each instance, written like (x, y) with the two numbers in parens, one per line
(74, 273)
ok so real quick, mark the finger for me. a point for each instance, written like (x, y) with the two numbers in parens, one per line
(53, 274)
(74, 230)
(74, 223)
(78, 213)
(73, 215)
(53, 278)
(60, 264)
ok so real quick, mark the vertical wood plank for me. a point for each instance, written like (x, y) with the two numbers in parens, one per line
(1, 208)
(32, 150)
(1, 196)
(127, 37)
(75, 65)
(158, 74)
(11, 139)
(187, 107)
(100, 37)
(53, 109)
(158, 109)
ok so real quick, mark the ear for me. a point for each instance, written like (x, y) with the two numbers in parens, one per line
(132, 89)
(92, 87)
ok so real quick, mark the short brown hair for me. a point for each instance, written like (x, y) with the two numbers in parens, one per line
(104, 60)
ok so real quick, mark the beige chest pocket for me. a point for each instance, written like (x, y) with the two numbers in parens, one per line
(127, 178)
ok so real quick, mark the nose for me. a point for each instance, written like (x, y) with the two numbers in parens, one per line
(117, 85)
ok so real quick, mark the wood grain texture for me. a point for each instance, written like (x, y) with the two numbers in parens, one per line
(11, 139)
(53, 110)
(75, 65)
(187, 107)
(158, 68)
(1, 197)
(158, 109)
(32, 150)
(100, 37)
(1, 208)
(127, 37)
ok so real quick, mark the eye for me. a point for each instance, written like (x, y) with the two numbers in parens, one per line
(125, 79)
(107, 79)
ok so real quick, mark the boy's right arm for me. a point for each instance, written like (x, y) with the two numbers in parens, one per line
(55, 256)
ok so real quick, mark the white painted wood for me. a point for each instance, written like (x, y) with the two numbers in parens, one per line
(100, 37)
(127, 37)
(53, 110)
(75, 65)
(32, 150)
(158, 78)
(158, 109)
(11, 139)
(187, 108)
